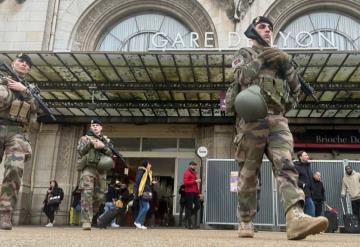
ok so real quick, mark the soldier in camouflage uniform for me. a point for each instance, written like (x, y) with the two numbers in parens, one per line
(271, 69)
(17, 109)
(92, 179)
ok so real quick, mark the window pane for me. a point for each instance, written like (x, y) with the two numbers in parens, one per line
(159, 144)
(135, 33)
(126, 144)
(187, 145)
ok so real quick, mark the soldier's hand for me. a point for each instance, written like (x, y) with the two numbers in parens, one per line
(271, 55)
(15, 85)
(98, 144)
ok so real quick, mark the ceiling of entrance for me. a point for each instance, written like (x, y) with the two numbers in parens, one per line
(183, 86)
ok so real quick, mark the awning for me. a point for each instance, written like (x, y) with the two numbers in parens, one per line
(183, 86)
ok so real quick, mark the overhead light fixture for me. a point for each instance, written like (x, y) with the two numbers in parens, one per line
(92, 105)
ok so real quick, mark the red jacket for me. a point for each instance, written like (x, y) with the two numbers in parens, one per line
(190, 181)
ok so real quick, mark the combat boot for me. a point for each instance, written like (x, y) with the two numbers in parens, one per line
(246, 230)
(300, 225)
(5, 220)
(86, 226)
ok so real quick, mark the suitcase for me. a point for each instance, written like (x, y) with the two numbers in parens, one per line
(333, 219)
(351, 223)
(104, 220)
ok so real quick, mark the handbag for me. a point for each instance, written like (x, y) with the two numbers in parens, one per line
(54, 201)
(147, 195)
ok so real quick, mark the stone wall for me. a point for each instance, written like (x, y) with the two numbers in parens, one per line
(22, 26)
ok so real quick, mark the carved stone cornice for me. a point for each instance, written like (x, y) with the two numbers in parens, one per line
(282, 12)
(102, 15)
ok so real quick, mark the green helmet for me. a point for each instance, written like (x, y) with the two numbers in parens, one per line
(105, 163)
(250, 104)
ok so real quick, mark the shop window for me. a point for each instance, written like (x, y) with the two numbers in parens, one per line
(126, 144)
(186, 145)
(159, 144)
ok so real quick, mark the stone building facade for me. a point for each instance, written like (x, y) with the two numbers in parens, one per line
(68, 25)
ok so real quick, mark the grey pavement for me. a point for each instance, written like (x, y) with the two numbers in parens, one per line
(74, 236)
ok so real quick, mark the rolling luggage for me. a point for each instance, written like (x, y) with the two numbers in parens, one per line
(332, 216)
(351, 223)
(104, 220)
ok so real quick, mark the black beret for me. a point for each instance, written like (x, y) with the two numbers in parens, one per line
(262, 19)
(96, 121)
(25, 57)
(192, 163)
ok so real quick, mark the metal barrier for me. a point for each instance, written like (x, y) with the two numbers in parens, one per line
(220, 202)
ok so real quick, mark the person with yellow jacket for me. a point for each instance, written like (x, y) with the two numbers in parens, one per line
(142, 192)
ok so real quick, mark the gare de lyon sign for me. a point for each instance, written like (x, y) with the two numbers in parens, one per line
(303, 39)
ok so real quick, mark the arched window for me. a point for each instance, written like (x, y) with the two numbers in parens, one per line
(136, 33)
(321, 29)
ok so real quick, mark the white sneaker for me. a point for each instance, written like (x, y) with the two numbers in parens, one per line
(143, 227)
(49, 224)
(138, 225)
(115, 225)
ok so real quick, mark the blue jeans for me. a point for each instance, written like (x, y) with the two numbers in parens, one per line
(309, 207)
(107, 207)
(144, 207)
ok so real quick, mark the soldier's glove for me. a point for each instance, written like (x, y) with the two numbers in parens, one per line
(98, 144)
(273, 55)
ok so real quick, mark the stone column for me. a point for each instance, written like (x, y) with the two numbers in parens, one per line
(54, 158)
(218, 139)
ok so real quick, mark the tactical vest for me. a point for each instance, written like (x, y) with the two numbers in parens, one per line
(12, 107)
(274, 89)
(92, 158)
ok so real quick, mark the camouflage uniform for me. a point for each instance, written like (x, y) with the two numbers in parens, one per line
(17, 110)
(270, 136)
(92, 182)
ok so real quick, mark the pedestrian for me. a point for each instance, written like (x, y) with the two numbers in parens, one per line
(18, 110)
(75, 206)
(142, 192)
(305, 181)
(53, 198)
(95, 159)
(111, 198)
(318, 194)
(182, 202)
(269, 87)
(351, 185)
(192, 195)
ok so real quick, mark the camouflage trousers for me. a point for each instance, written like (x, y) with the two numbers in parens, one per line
(15, 151)
(270, 136)
(93, 187)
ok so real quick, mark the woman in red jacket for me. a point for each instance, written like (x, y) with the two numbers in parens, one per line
(192, 205)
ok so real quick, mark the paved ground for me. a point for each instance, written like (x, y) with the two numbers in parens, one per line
(71, 236)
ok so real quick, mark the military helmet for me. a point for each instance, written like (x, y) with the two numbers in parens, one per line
(105, 163)
(250, 104)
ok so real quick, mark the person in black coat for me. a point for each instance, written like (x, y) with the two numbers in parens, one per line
(318, 193)
(182, 203)
(305, 181)
(54, 196)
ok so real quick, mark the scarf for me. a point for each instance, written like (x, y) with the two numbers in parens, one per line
(143, 181)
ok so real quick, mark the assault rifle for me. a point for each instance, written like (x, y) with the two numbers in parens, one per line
(109, 145)
(34, 91)
(305, 87)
